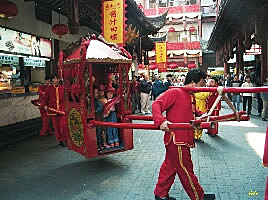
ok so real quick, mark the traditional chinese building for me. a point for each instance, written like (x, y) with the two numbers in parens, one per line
(240, 30)
(182, 32)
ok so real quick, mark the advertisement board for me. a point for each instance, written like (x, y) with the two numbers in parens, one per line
(22, 43)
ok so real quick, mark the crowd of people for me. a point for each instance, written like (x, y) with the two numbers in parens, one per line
(142, 90)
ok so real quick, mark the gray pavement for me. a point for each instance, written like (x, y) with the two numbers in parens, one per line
(228, 165)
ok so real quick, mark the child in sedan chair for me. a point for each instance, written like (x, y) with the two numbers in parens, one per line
(112, 133)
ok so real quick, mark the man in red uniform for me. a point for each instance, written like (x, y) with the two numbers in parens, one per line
(213, 82)
(179, 109)
(44, 115)
(55, 99)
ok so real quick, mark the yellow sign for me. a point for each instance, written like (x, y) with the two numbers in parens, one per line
(113, 21)
(18, 90)
(161, 52)
(33, 89)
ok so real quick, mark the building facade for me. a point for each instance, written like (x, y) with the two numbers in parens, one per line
(187, 30)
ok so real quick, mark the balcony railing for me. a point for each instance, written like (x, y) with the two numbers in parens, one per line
(172, 10)
(183, 45)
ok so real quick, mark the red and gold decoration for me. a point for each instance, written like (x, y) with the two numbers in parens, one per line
(152, 66)
(131, 34)
(75, 127)
(171, 29)
(161, 56)
(60, 29)
(192, 29)
(113, 15)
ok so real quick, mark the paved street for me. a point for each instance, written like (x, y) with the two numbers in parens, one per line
(228, 165)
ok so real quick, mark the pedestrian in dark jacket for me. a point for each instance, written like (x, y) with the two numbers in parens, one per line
(145, 88)
(158, 87)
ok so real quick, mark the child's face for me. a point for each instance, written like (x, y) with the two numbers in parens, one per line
(96, 92)
(101, 93)
(109, 95)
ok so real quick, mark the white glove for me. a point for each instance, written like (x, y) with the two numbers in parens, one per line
(164, 125)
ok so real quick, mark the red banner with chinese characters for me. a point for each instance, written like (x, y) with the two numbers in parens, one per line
(113, 16)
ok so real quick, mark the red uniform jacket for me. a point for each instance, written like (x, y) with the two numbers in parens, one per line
(179, 109)
(42, 94)
(211, 100)
(54, 98)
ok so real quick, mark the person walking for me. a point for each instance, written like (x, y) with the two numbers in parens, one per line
(46, 129)
(55, 99)
(247, 97)
(264, 97)
(236, 97)
(158, 87)
(135, 95)
(213, 82)
(145, 88)
(178, 106)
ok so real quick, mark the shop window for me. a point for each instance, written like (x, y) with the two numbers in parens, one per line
(190, 2)
(194, 36)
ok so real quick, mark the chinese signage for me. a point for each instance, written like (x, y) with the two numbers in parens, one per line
(161, 52)
(13, 60)
(34, 62)
(254, 50)
(114, 21)
(21, 43)
(18, 90)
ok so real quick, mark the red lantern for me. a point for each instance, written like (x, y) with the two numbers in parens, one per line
(8, 9)
(173, 66)
(141, 66)
(152, 67)
(191, 66)
(60, 29)
(192, 29)
(171, 29)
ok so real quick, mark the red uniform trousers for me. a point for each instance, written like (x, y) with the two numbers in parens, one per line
(59, 127)
(214, 131)
(178, 161)
(45, 123)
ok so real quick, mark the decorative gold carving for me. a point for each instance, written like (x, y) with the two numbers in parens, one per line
(75, 126)
(132, 34)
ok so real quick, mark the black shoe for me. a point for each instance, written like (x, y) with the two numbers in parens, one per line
(61, 144)
(209, 197)
(166, 198)
(199, 140)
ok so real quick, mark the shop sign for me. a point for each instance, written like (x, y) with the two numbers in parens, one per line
(114, 21)
(13, 60)
(161, 52)
(18, 90)
(33, 89)
(22, 43)
(34, 62)
(254, 50)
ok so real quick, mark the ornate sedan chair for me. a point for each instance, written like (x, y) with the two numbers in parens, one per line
(92, 63)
